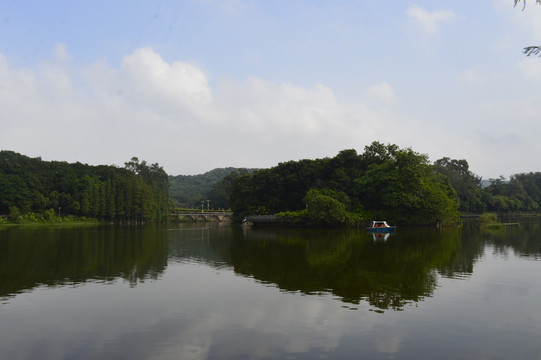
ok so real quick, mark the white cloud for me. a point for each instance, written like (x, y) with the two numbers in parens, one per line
(530, 68)
(382, 92)
(167, 112)
(471, 77)
(176, 82)
(429, 22)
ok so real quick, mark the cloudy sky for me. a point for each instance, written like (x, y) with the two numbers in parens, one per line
(195, 85)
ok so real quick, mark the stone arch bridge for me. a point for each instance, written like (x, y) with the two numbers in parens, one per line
(206, 216)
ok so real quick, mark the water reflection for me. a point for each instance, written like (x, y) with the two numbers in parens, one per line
(388, 272)
(350, 264)
(220, 292)
(523, 239)
(381, 236)
(56, 256)
(201, 243)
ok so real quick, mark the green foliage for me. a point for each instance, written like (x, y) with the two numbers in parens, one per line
(402, 187)
(488, 219)
(466, 184)
(14, 212)
(219, 194)
(522, 193)
(294, 214)
(281, 188)
(327, 207)
(189, 190)
(137, 192)
(384, 181)
(49, 215)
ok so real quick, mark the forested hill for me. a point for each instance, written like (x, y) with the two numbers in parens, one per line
(187, 191)
(136, 192)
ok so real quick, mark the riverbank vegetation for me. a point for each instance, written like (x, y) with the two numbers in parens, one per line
(384, 182)
(489, 221)
(135, 193)
(47, 217)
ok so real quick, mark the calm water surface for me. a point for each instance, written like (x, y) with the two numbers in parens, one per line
(223, 292)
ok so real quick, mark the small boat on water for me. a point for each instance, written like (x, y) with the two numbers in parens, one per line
(380, 227)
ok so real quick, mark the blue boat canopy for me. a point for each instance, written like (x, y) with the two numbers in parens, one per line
(381, 226)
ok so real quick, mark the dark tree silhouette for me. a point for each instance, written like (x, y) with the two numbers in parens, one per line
(530, 50)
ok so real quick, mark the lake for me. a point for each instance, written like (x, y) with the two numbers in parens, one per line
(211, 291)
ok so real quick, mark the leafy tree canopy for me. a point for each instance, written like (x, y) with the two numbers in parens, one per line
(137, 191)
(384, 181)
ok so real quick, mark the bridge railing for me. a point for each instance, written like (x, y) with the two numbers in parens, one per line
(206, 212)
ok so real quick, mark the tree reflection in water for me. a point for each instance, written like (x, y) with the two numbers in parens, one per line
(388, 272)
(350, 264)
(57, 256)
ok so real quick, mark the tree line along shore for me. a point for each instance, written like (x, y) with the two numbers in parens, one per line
(385, 182)
(32, 189)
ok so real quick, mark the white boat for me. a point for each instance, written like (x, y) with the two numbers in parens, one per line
(380, 226)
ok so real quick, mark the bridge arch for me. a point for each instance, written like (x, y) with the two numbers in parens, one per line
(227, 218)
(218, 216)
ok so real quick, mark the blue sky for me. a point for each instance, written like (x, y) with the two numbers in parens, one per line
(195, 85)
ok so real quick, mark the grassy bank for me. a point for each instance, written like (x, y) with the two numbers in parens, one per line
(46, 218)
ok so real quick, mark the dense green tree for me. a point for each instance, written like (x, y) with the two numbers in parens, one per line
(189, 190)
(530, 186)
(327, 207)
(277, 189)
(383, 181)
(466, 183)
(403, 187)
(522, 193)
(14, 193)
(344, 168)
(30, 184)
(242, 198)
(219, 194)
(378, 153)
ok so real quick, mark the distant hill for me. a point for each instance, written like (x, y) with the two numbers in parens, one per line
(485, 183)
(187, 191)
